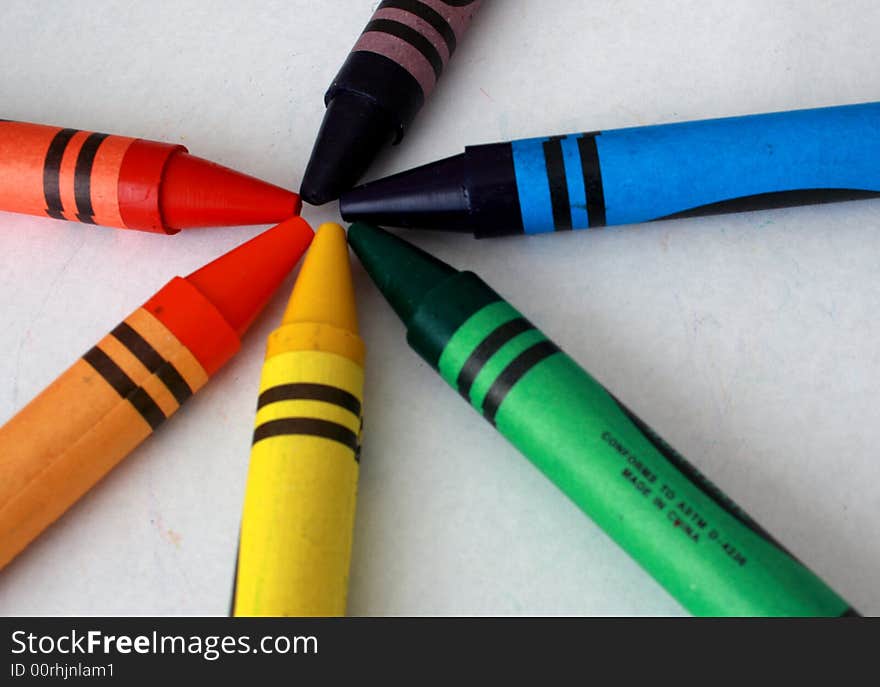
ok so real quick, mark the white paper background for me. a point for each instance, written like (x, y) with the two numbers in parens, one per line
(749, 342)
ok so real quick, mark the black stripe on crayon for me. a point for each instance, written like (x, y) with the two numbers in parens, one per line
(310, 392)
(555, 167)
(411, 36)
(155, 363)
(485, 350)
(851, 613)
(82, 177)
(124, 386)
(52, 173)
(426, 13)
(511, 374)
(593, 187)
(307, 426)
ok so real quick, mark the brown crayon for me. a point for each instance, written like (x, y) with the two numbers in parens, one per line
(391, 71)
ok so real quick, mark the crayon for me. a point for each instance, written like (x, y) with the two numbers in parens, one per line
(121, 390)
(299, 506)
(703, 549)
(128, 183)
(641, 174)
(380, 88)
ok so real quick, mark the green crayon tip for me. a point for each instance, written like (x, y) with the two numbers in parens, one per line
(403, 273)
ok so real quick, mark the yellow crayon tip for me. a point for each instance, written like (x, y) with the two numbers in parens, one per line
(324, 291)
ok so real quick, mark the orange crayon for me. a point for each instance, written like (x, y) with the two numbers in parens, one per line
(129, 183)
(112, 398)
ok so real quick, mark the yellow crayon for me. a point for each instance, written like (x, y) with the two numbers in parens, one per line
(299, 505)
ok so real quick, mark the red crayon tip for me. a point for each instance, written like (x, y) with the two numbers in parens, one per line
(199, 193)
(240, 283)
(209, 310)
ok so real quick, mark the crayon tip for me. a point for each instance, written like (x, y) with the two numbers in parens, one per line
(324, 291)
(199, 193)
(240, 283)
(352, 133)
(403, 273)
(428, 197)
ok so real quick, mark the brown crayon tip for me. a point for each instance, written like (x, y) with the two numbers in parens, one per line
(199, 193)
(241, 282)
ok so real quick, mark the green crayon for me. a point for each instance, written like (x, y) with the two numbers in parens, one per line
(680, 528)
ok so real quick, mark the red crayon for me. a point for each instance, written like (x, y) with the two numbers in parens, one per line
(129, 183)
(113, 397)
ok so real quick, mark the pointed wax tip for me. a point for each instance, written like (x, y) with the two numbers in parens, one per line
(199, 193)
(401, 271)
(242, 281)
(352, 133)
(324, 291)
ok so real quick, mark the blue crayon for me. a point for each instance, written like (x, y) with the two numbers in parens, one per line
(640, 174)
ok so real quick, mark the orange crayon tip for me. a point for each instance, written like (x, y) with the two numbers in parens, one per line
(199, 193)
(240, 283)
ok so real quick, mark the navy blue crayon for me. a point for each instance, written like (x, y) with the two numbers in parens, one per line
(640, 174)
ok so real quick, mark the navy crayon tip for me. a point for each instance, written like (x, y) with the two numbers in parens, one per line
(432, 196)
(352, 133)
(403, 273)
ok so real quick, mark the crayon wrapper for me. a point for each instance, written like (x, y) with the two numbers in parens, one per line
(61, 173)
(647, 173)
(420, 36)
(299, 505)
(86, 421)
(696, 543)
